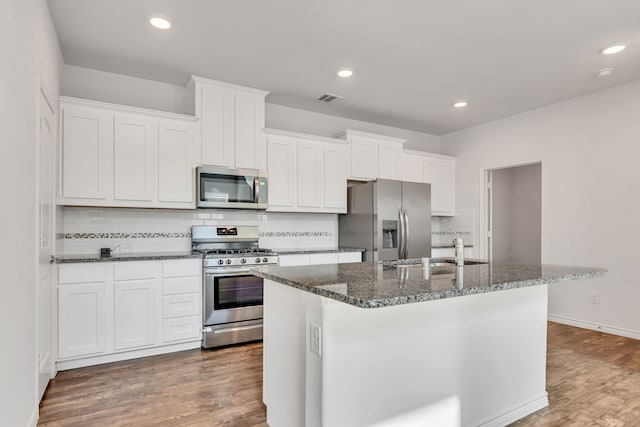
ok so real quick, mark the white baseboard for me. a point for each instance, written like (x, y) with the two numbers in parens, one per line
(594, 326)
(63, 365)
(33, 420)
(514, 413)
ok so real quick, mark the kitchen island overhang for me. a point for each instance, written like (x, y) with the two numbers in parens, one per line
(328, 361)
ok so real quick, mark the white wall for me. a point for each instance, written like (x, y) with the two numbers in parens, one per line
(590, 151)
(119, 89)
(30, 48)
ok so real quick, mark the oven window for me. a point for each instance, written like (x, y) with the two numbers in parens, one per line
(237, 291)
(226, 188)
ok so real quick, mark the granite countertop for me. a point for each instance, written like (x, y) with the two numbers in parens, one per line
(301, 251)
(447, 246)
(373, 285)
(132, 256)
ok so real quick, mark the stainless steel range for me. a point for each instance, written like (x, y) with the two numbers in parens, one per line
(232, 296)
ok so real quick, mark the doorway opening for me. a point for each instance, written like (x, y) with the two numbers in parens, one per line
(513, 197)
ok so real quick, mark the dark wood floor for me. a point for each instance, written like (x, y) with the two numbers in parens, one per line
(593, 379)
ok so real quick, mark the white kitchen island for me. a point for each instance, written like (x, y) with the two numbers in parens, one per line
(354, 344)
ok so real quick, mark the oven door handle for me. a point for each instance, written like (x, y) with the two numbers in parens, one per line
(229, 272)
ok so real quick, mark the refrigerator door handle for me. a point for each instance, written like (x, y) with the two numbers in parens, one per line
(405, 241)
(400, 233)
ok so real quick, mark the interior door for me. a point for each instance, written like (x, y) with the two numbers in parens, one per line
(45, 243)
(416, 202)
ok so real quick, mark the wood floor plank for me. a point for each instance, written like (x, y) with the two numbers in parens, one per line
(593, 379)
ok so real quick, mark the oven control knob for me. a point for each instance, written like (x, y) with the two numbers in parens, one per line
(220, 262)
(258, 260)
(243, 261)
(228, 261)
(265, 259)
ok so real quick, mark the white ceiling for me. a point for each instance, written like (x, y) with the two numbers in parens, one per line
(412, 58)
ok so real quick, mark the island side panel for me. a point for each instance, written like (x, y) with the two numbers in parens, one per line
(487, 349)
(284, 355)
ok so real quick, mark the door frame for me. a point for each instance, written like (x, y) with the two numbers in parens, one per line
(485, 204)
(43, 92)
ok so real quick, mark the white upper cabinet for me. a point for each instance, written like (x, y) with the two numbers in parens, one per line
(306, 173)
(87, 135)
(134, 152)
(217, 125)
(232, 118)
(373, 156)
(310, 177)
(175, 163)
(335, 176)
(120, 156)
(282, 172)
(437, 170)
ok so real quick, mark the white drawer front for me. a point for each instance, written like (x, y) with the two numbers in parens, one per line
(181, 328)
(346, 257)
(180, 305)
(83, 273)
(323, 259)
(181, 285)
(132, 270)
(289, 260)
(182, 267)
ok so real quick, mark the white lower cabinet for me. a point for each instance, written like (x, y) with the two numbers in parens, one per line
(82, 319)
(121, 310)
(319, 258)
(134, 313)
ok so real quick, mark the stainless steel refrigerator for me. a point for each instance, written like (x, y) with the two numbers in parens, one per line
(389, 219)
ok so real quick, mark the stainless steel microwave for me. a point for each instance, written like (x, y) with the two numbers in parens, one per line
(219, 187)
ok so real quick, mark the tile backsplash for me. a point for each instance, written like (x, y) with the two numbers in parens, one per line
(86, 230)
(445, 229)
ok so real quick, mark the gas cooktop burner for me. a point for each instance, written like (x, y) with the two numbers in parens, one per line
(238, 252)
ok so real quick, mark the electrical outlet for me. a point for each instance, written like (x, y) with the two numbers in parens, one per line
(315, 339)
(595, 298)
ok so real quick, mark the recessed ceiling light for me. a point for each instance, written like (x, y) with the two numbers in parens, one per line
(605, 72)
(160, 21)
(613, 48)
(345, 72)
(460, 104)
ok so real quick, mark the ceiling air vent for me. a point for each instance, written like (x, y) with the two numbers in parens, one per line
(329, 97)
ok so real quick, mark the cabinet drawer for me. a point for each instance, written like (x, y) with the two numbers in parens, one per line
(83, 273)
(289, 260)
(181, 268)
(346, 257)
(323, 259)
(180, 305)
(135, 270)
(181, 328)
(181, 285)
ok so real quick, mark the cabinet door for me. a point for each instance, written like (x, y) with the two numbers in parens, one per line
(441, 174)
(250, 141)
(175, 162)
(87, 140)
(335, 178)
(310, 175)
(134, 154)
(216, 115)
(82, 319)
(281, 170)
(364, 158)
(135, 319)
(390, 160)
(413, 168)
